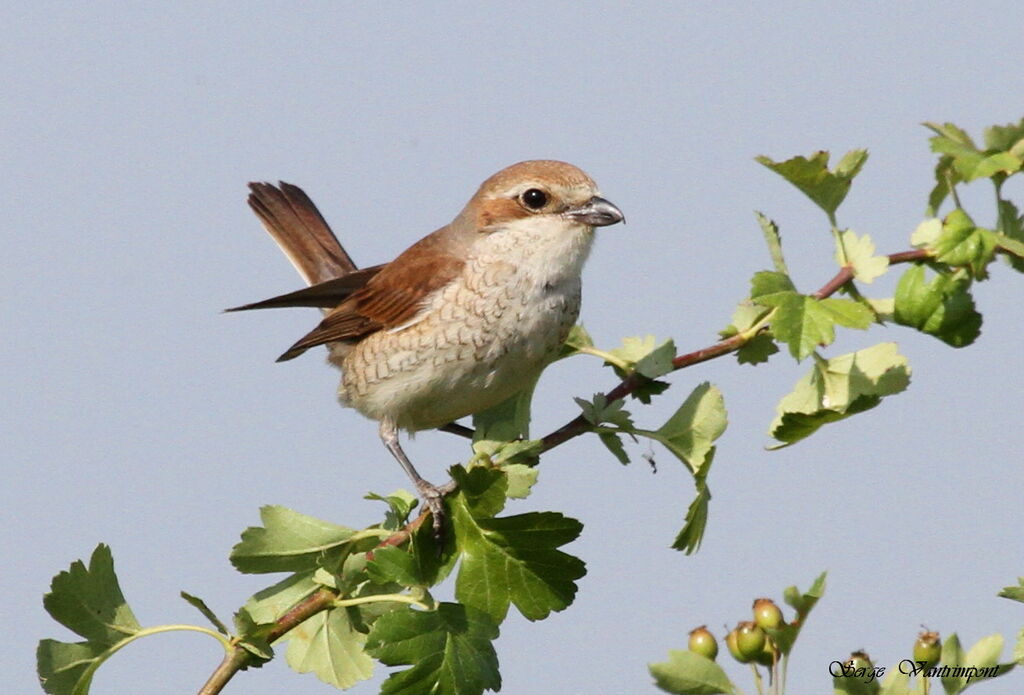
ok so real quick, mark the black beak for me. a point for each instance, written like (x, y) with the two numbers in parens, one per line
(596, 212)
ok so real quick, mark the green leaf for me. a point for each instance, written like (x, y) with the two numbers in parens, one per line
(689, 538)
(268, 604)
(688, 673)
(600, 411)
(327, 645)
(449, 650)
(646, 356)
(514, 560)
(1018, 649)
(942, 307)
(767, 285)
(802, 603)
(1015, 593)
(578, 339)
(694, 427)
(963, 244)
(968, 161)
(1005, 138)
(805, 323)
(1011, 239)
(927, 233)
(827, 188)
(521, 479)
(88, 601)
(838, 388)
(201, 606)
(483, 490)
(895, 683)
(774, 241)
(980, 662)
(507, 421)
(860, 255)
(287, 542)
(613, 442)
(757, 350)
(66, 668)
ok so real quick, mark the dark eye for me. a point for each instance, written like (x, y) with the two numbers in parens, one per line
(534, 198)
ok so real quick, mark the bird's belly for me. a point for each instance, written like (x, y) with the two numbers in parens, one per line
(474, 349)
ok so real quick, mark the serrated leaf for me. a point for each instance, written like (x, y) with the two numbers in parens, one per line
(970, 162)
(88, 600)
(838, 388)
(827, 188)
(942, 307)
(326, 645)
(287, 542)
(521, 479)
(694, 427)
(757, 350)
(964, 667)
(1015, 593)
(689, 538)
(766, 284)
(926, 233)
(613, 443)
(400, 504)
(860, 255)
(805, 323)
(963, 244)
(1011, 227)
(1004, 138)
(646, 356)
(200, 605)
(774, 241)
(449, 650)
(514, 560)
(600, 411)
(688, 673)
(483, 490)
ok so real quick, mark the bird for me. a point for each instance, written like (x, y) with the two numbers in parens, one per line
(462, 320)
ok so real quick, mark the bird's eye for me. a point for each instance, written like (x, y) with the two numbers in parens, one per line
(534, 198)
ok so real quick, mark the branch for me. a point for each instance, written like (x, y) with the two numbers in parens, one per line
(579, 424)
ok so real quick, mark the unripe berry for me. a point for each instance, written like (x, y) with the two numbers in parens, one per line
(749, 639)
(767, 615)
(703, 642)
(769, 655)
(859, 660)
(928, 648)
(733, 646)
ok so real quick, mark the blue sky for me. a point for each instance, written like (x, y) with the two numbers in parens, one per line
(140, 416)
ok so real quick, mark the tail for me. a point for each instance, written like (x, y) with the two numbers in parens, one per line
(291, 218)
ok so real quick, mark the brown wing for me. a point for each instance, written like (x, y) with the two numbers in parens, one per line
(292, 219)
(391, 297)
(325, 295)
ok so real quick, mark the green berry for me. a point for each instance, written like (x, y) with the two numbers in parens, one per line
(767, 615)
(703, 642)
(928, 648)
(750, 639)
(731, 641)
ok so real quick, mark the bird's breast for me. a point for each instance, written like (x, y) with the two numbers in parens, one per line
(476, 342)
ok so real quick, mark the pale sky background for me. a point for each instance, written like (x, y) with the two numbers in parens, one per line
(139, 415)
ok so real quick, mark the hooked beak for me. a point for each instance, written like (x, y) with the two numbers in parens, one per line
(596, 212)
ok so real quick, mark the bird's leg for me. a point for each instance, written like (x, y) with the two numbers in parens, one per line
(431, 495)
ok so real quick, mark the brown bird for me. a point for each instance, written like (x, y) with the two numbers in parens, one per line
(459, 322)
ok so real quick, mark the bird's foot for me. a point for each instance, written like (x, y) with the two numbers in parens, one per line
(432, 497)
